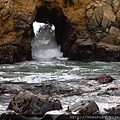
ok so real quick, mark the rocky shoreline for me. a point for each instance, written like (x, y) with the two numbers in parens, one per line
(63, 89)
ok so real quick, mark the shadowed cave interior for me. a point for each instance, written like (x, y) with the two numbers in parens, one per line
(53, 17)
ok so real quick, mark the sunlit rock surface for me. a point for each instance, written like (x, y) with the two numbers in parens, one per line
(85, 30)
(31, 104)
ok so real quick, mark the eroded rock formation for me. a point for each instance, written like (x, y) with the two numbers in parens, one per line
(85, 29)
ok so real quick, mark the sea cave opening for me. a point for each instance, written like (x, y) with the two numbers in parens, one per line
(49, 29)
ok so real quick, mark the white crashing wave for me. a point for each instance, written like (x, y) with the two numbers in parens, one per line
(44, 46)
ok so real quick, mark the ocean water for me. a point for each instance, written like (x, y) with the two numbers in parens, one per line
(49, 65)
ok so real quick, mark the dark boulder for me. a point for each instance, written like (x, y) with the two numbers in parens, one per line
(29, 104)
(103, 79)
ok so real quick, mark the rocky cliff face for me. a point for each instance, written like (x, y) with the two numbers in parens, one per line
(85, 29)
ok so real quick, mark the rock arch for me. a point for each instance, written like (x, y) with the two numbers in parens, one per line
(85, 30)
(53, 16)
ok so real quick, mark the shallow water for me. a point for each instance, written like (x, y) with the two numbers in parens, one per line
(61, 70)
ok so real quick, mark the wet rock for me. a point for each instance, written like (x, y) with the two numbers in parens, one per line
(11, 116)
(103, 79)
(2, 89)
(84, 48)
(84, 108)
(5, 88)
(113, 111)
(31, 104)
